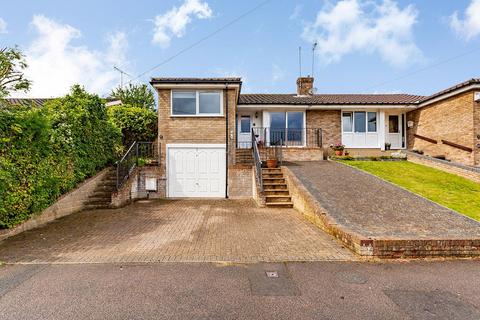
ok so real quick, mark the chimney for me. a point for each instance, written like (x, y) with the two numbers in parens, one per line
(305, 86)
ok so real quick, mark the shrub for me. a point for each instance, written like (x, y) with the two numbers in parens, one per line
(45, 152)
(135, 123)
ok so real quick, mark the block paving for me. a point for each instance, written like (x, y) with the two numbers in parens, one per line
(176, 231)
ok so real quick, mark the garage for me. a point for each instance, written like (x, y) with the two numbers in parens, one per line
(196, 170)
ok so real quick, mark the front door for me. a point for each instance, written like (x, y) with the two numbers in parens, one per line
(244, 136)
(395, 133)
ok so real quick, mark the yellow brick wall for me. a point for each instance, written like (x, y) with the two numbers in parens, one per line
(195, 129)
(330, 123)
(476, 107)
(451, 119)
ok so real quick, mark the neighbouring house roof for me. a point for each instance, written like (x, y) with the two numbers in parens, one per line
(459, 86)
(234, 80)
(27, 102)
(330, 99)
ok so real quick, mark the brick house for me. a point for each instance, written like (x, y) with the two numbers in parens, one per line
(206, 127)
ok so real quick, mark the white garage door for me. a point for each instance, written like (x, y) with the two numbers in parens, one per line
(196, 170)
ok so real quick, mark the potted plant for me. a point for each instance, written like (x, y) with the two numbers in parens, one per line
(271, 163)
(338, 148)
(388, 145)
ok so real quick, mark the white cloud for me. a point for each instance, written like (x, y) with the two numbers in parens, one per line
(469, 26)
(296, 12)
(55, 64)
(174, 22)
(365, 26)
(3, 26)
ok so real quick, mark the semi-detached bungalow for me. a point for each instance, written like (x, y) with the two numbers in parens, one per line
(206, 127)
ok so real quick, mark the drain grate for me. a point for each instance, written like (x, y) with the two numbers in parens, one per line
(272, 274)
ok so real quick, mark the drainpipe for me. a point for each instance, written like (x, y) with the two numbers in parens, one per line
(226, 141)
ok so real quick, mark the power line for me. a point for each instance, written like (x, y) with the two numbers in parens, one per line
(381, 84)
(196, 43)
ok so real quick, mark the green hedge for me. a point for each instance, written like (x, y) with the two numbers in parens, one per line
(45, 152)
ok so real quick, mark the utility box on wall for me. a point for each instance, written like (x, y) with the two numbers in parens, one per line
(150, 184)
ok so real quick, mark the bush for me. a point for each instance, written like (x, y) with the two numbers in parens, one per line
(45, 152)
(135, 123)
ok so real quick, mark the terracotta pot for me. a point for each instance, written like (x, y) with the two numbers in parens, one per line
(339, 153)
(271, 163)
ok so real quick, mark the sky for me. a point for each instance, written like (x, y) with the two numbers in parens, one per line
(363, 46)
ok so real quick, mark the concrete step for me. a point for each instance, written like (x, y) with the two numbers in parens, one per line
(274, 180)
(277, 198)
(279, 204)
(271, 169)
(106, 198)
(274, 186)
(274, 192)
(101, 193)
(272, 175)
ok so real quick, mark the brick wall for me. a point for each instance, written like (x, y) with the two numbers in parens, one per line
(195, 129)
(302, 154)
(240, 182)
(71, 202)
(134, 188)
(451, 119)
(470, 173)
(330, 123)
(476, 114)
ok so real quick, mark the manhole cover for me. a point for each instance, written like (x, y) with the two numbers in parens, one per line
(272, 274)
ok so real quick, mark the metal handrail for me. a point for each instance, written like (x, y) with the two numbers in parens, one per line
(257, 161)
(130, 160)
(310, 137)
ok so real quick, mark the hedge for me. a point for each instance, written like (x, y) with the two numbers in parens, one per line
(45, 152)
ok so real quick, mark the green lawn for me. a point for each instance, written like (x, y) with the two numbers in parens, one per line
(449, 190)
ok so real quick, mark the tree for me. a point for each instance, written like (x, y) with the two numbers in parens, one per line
(12, 64)
(136, 124)
(139, 96)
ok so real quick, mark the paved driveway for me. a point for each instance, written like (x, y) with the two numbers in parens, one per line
(176, 230)
(376, 209)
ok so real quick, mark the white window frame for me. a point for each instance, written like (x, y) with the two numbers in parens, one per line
(197, 104)
(352, 113)
(267, 122)
(352, 119)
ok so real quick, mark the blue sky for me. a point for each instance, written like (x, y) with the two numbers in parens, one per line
(363, 46)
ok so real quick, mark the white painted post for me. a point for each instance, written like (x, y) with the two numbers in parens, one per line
(381, 130)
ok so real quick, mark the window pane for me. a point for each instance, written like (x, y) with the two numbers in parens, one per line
(277, 127)
(295, 127)
(347, 122)
(393, 124)
(209, 102)
(372, 122)
(245, 124)
(295, 120)
(184, 103)
(360, 121)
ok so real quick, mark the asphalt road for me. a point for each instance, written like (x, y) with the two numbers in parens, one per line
(314, 290)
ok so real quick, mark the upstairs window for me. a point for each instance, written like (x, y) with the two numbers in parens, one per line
(197, 103)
